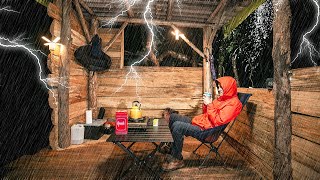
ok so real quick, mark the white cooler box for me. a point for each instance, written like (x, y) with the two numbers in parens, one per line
(77, 134)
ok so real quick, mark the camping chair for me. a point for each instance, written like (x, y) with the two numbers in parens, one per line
(211, 135)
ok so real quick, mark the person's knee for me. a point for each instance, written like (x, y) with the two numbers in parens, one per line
(177, 127)
(168, 112)
(174, 117)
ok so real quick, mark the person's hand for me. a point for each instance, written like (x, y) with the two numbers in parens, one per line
(166, 116)
(207, 100)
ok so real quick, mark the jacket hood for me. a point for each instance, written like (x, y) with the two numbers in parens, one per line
(229, 87)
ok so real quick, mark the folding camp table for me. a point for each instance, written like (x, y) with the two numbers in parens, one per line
(157, 135)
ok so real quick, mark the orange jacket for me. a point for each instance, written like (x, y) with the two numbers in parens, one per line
(222, 110)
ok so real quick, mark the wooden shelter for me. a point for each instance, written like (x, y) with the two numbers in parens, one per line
(253, 136)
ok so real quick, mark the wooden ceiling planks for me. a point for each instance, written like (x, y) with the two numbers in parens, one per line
(186, 13)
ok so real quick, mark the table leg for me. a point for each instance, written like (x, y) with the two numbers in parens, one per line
(137, 161)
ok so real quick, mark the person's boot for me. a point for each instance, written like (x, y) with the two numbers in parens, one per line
(172, 164)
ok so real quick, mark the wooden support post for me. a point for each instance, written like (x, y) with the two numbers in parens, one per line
(169, 9)
(282, 168)
(124, 25)
(64, 72)
(82, 20)
(207, 48)
(189, 43)
(53, 64)
(94, 26)
(92, 79)
(122, 51)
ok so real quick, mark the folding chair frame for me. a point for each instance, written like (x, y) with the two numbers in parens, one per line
(244, 97)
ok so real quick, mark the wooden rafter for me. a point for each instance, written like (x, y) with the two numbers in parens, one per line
(158, 22)
(115, 36)
(169, 10)
(129, 12)
(189, 43)
(218, 9)
(82, 20)
(86, 7)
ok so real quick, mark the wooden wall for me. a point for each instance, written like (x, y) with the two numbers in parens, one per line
(158, 88)
(253, 132)
(305, 97)
(78, 79)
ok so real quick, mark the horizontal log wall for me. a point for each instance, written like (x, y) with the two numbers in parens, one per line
(158, 87)
(78, 75)
(253, 132)
(305, 97)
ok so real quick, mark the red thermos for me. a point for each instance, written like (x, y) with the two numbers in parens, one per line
(121, 122)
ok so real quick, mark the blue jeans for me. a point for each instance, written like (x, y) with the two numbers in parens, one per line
(181, 126)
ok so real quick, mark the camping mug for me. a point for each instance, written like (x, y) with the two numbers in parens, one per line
(207, 94)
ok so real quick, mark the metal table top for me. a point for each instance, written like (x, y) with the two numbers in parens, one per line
(159, 133)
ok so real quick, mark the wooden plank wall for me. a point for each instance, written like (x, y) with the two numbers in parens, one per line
(78, 79)
(158, 88)
(305, 97)
(253, 132)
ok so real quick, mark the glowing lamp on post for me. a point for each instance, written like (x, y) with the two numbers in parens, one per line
(53, 45)
(176, 33)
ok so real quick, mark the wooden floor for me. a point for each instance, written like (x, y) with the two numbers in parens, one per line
(102, 160)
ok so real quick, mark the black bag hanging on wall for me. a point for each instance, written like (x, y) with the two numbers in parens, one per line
(92, 57)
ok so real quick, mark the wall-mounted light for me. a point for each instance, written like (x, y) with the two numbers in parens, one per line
(177, 34)
(52, 44)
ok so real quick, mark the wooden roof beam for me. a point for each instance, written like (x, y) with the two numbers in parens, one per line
(169, 10)
(115, 36)
(189, 43)
(158, 22)
(86, 7)
(218, 9)
(82, 20)
(129, 10)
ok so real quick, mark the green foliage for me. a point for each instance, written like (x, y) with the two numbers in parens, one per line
(250, 44)
(237, 20)
(44, 2)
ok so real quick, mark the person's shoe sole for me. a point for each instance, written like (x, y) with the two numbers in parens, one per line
(172, 169)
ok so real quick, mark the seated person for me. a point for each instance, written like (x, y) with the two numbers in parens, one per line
(225, 108)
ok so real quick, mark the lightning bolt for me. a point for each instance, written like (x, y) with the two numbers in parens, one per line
(306, 44)
(16, 44)
(132, 71)
(7, 9)
(10, 44)
(123, 10)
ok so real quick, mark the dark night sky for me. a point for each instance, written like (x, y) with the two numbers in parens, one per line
(303, 19)
(25, 113)
(24, 110)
